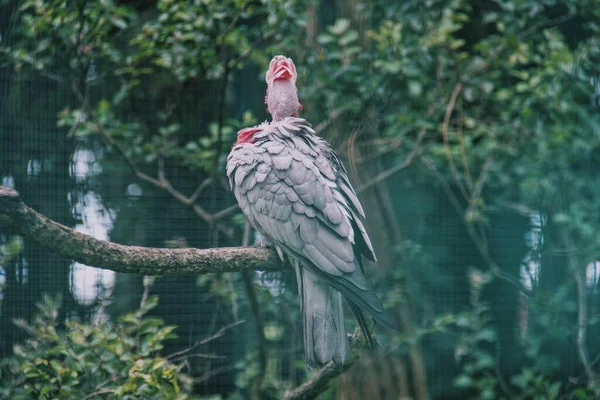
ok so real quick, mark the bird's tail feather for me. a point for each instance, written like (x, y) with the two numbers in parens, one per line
(324, 330)
(362, 322)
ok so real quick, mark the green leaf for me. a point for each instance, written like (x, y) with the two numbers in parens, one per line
(119, 23)
(340, 26)
(463, 382)
(348, 38)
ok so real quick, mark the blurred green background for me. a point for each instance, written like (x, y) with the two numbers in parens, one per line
(470, 130)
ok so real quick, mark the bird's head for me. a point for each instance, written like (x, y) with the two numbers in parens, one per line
(282, 94)
(281, 68)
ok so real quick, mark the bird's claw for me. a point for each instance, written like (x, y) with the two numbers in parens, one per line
(262, 241)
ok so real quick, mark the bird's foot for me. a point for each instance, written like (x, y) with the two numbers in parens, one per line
(261, 240)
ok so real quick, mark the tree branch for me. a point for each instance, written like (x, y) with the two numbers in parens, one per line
(396, 168)
(445, 125)
(417, 149)
(582, 312)
(318, 383)
(260, 333)
(255, 387)
(479, 243)
(333, 115)
(130, 259)
(163, 183)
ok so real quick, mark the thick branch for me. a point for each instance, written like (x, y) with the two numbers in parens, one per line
(133, 259)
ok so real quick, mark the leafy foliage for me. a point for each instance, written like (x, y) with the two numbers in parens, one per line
(189, 39)
(476, 352)
(67, 35)
(119, 360)
(485, 106)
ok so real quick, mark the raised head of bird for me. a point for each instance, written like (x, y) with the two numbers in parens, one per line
(282, 94)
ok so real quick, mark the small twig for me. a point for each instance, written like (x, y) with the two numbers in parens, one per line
(162, 174)
(495, 54)
(52, 76)
(209, 374)
(383, 141)
(181, 354)
(221, 331)
(99, 393)
(399, 167)
(198, 210)
(390, 146)
(463, 153)
(333, 115)
(233, 294)
(318, 383)
(517, 208)
(112, 143)
(211, 356)
(221, 116)
(475, 195)
(582, 314)
(396, 168)
(164, 184)
(205, 184)
(496, 270)
(352, 153)
(148, 281)
(84, 105)
(449, 109)
(479, 186)
(260, 330)
(262, 38)
(260, 333)
(225, 212)
(544, 24)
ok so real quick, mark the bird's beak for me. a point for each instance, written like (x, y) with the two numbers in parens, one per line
(281, 68)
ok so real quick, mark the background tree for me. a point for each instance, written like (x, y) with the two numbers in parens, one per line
(467, 127)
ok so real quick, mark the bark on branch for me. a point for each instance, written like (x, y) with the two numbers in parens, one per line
(132, 259)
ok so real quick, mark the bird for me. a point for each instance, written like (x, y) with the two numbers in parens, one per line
(294, 189)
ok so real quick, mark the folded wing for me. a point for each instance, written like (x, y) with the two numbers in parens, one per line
(294, 189)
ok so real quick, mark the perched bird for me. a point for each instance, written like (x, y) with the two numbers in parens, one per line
(295, 191)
